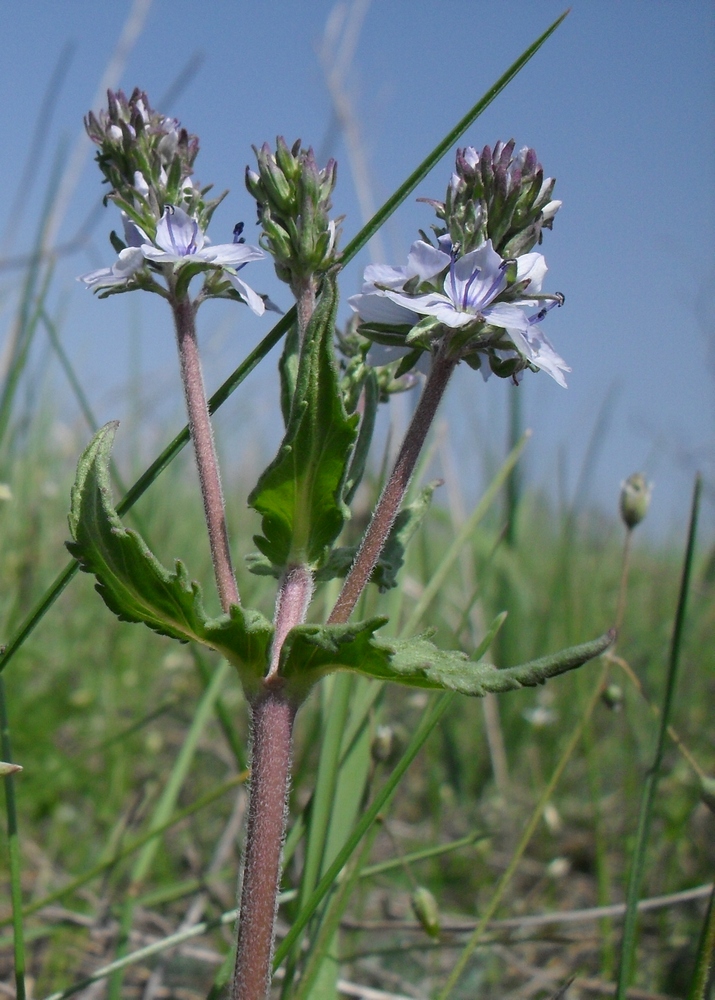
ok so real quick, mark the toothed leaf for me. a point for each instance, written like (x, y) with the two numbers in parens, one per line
(137, 588)
(311, 651)
(301, 493)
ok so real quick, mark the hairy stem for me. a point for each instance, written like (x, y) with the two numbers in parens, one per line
(388, 505)
(205, 451)
(304, 291)
(272, 727)
(272, 718)
(292, 602)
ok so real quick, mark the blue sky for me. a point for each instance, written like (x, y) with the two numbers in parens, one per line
(618, 104)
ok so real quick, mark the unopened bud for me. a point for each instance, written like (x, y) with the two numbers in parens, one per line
(612, 697)
(7, 768)
(635, 499)
(426, 910)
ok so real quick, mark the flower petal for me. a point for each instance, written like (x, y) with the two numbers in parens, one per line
(254, 301)
(377, 308)
(531, 267)
(538, 349)
(230, 254)
(424, 261)
(178, 233)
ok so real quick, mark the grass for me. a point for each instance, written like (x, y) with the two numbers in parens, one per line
(99, 712)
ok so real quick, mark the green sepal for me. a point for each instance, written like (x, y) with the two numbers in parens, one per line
(137, 588)
(301, 493)
(423, 333)
(185, 273)
(312, 651)
(408, 362)
(383, 333)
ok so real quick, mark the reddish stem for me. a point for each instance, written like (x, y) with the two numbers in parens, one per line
(205, 451)
(271, 757)
(272, 726)
(391, 498)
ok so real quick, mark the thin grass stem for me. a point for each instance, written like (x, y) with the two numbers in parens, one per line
(13, 851)
(637, 869)
(429, 720)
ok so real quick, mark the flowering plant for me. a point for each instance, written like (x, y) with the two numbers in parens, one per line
(475, 296)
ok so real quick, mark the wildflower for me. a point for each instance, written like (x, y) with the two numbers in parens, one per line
(127, 264)
(495, 304)
(179, 241)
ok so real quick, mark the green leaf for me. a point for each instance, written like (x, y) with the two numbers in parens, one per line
(393, 554)
(137, 588)
(370, 400)
(288, 369)
(301, 493)
(405, 525)
(311, 651)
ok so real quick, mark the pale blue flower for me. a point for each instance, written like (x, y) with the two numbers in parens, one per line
(471, 293)
(179, 240)
(129, 261)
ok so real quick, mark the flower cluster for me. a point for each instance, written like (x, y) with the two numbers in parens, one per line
(294, 200)
(498, 196)
(148, 160)
(478, 291)
(487, 306)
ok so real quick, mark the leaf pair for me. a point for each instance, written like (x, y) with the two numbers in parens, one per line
(137, 588)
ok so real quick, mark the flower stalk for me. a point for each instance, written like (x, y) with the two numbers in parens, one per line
(388, 506)
(204, 450)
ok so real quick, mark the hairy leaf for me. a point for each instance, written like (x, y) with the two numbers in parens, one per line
(137, 588)
(311, 651)
(300, 494)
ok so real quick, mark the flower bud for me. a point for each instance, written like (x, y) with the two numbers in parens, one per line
(294, 200)
(635, 499)
(499, 196)
(6, 768)
(144, 153)
(612, 697)
(426, 910)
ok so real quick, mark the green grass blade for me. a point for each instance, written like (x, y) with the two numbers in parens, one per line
(322, 963)
(429, 720)
(13, 851)
(165, 808)
(650, 785)
(336, 707)
(134, 845)
(526, 836)
(705, 955)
